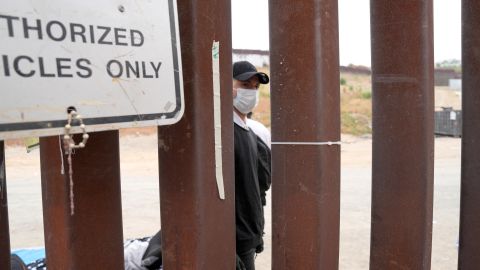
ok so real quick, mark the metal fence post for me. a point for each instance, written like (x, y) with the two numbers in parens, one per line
(4, 228)
(469, 253)
(198, 228)
(403, 145)
(305, 114)
(92, 237)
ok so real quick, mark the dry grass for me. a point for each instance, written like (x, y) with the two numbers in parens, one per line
(356, 104)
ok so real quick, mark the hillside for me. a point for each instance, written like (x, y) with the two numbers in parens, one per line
(355, 103)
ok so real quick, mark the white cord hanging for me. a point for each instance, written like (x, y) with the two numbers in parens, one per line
(70, 146)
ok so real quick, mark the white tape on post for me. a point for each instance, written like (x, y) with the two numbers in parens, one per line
(217, 117)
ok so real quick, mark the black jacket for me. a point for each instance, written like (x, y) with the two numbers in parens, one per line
(264, 169)
(248, 190)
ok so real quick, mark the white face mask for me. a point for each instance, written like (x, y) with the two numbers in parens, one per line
(246, 100)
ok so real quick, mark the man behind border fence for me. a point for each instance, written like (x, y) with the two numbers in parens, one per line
(252, 165)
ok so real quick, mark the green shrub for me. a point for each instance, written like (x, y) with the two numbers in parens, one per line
(355, 124)
(366, 95)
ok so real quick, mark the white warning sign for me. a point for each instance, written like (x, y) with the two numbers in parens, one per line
(118, 63)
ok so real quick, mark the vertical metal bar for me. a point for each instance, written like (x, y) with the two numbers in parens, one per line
(4, 229)
(194, 219)
(403, 146)
(56, 204)
(469, 253)
(92, 237)
(305, 109)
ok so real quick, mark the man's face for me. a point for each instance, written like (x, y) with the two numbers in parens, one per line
(253, 83)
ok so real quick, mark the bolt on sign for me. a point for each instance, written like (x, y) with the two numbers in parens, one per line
(117, 62)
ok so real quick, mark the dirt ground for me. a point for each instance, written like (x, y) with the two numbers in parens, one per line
(141, 200)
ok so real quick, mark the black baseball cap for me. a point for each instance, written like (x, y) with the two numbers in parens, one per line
(244, 70)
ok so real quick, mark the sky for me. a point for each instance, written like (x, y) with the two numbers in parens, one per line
(354, 29)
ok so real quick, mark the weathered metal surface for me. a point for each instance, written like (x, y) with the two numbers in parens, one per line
(4, 228)
(198, 227)
(92, 237)
(469, 252)
(305, 108)
(403, 105)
